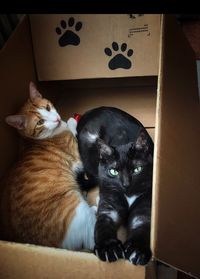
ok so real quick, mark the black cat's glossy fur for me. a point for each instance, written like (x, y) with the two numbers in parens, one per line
(117, 153)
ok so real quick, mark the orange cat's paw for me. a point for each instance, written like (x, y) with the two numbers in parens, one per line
(72, 124)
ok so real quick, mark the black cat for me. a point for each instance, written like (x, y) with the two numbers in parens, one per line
(117, 153)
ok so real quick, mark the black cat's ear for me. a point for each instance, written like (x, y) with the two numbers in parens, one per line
(142, 141)
(104, 149)
(131, 150)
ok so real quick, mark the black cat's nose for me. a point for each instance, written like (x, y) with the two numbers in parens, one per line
(125, 185)
(125, 180)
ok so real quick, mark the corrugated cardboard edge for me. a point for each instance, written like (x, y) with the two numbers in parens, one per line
(20, 261)
(155, 192)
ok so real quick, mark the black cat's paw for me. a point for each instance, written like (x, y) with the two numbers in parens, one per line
(109, 251)
(138, 255)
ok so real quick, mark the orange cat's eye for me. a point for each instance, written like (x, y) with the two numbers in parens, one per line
(40, 122)
(48, 108)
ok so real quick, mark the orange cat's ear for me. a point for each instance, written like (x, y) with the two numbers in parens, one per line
(17, 121)
(34, 93)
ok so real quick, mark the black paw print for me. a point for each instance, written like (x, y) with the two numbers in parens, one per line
(119, 60)
(68, 37)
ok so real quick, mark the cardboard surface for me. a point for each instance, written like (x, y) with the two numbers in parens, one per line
(138, 101)
(16, 71)
(176, 198)
(18, 261)
(78, 54)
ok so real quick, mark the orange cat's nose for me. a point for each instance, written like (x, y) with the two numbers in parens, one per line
(58, 120)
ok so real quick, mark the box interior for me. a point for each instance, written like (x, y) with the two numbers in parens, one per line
(135, 95)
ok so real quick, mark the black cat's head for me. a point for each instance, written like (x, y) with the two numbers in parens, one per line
(128, 167)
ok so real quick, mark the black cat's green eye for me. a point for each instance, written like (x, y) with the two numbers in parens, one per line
(48, 108)
(40, 122)
(113, 172)
(137, 170)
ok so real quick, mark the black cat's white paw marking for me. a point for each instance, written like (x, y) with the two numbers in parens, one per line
(119, 60)
(111, 251)
(68, 37)
(136, 255)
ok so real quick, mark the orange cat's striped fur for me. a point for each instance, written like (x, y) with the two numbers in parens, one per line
(42, 203)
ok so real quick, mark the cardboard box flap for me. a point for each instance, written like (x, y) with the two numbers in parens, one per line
(175, 225)
(80, 46)
(43, 262)
(16, 71)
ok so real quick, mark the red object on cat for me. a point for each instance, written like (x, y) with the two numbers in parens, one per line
(77, 117)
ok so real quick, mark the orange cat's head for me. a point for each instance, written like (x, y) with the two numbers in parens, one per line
(38, 118)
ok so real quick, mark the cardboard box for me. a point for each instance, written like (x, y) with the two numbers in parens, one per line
(92, 51)
(161, 92)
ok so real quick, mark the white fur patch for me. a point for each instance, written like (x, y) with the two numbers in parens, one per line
(92, 137)
(94, 207)
(61, 128)
(77, 167)
(72, 124)
(51, 123)
(131, 199)
(80, 233)
(112, 214)
(97, 200)
(49, 116)
(132, 256)
(137, 222)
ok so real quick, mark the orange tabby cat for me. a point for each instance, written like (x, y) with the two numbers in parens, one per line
(42, 203)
